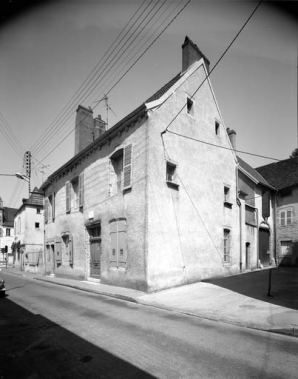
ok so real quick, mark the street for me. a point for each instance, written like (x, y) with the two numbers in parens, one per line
(50, 331)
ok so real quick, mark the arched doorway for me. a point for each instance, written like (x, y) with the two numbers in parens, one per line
(264, 235)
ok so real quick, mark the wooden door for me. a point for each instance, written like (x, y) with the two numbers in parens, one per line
(95, 257)
(264, 247)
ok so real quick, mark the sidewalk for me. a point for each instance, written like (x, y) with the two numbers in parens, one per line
(239, 300)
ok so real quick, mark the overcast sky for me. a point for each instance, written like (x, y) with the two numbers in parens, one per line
(48, 51)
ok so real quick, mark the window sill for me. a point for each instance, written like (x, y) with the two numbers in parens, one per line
(173, 185)
(227, 204)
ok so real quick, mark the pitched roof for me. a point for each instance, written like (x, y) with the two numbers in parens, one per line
(252, 172)
(281, 174)
(138, 112)
(8, 216)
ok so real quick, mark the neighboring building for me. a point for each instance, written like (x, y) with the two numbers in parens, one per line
(257, 198)
(6, 233)
(139, 208)
(283, 176)
(28, 243)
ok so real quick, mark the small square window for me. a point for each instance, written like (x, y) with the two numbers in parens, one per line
(217, 128)
(227, 197)
(37, 225)
(171, 175)
(189, 105)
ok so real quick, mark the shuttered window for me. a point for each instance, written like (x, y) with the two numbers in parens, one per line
(285, 218)
(68, 196)
(127, 167)
(227, 240)
(118, 253)
(81, 189)
(58, 251)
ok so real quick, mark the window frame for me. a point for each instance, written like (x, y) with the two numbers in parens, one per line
(284, 219)
(190, 105)
(171, 178)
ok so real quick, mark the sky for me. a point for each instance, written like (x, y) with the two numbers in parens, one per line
(50, 50)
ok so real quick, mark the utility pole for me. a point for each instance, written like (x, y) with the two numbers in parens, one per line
(27, 159)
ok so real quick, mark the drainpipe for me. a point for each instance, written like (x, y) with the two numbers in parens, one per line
(240, 217)
(258, 247)
(274, 227)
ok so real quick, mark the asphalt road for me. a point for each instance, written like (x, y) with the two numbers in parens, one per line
(50, 331)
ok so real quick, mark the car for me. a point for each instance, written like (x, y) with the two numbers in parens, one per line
(2, 287)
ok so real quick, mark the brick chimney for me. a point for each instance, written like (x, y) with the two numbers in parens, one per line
(84, 133)
(190, 54)
(99, 127)
(232, 136)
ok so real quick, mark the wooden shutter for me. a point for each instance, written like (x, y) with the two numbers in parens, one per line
(81, 189)
(122, 255)
(53, 206)
(113, 252)
(70, 249)
(127, 167)
(283, 218)
(46, 209)
(68, 196)
(58, 250)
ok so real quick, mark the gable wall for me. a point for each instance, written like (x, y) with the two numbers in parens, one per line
(186, 225)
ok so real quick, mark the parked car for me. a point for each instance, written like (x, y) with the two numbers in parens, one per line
(2, 287)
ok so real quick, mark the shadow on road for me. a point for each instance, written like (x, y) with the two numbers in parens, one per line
(31, 346)
(284, 285)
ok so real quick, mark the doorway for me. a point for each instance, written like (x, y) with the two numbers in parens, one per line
(95, 250)
(247, 256)
(264, 257)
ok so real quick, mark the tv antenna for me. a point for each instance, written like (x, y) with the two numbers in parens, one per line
(108, 108)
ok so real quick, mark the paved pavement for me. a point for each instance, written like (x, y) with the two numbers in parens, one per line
(243, 300)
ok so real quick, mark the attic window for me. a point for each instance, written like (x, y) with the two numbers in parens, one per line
(189, 106)
(217, 127)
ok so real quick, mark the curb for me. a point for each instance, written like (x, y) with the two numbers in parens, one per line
(288, 331)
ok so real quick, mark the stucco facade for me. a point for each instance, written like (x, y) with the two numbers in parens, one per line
(147, 209)
(6, 233)
(28, 245)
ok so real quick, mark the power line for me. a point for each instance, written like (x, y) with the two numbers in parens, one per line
(222, 147)
(110, 67)
(107, 63)
(224, 53)
(155, 39)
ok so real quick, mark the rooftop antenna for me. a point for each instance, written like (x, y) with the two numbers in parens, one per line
(108, 108)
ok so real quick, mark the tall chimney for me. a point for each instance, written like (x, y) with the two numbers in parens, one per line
(190, 54)
(84, 133)
(99, 127)
(232, 136)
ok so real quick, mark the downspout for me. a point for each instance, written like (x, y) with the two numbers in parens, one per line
(258, 236)
(275, 223)
(240, 217)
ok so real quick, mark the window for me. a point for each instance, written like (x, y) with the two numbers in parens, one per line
(37, 225)
(189, 106)
(171, 172)
(217, 127)
(227, 194)
(286, 248)
(120, 176)
(7, 232)
(285, 218)
(118, 254)
(72, 194)
(227, 240)
(38, 210)
(67, 251)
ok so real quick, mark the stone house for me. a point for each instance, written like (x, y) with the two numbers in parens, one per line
(257, 233)
(142, 208)
(283, 176)
(6, 233)
(28, 245)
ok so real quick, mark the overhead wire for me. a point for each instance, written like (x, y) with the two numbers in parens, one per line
(10, 136)
(134, 63)
(104, 66)
(131, 44)
(91, 75)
